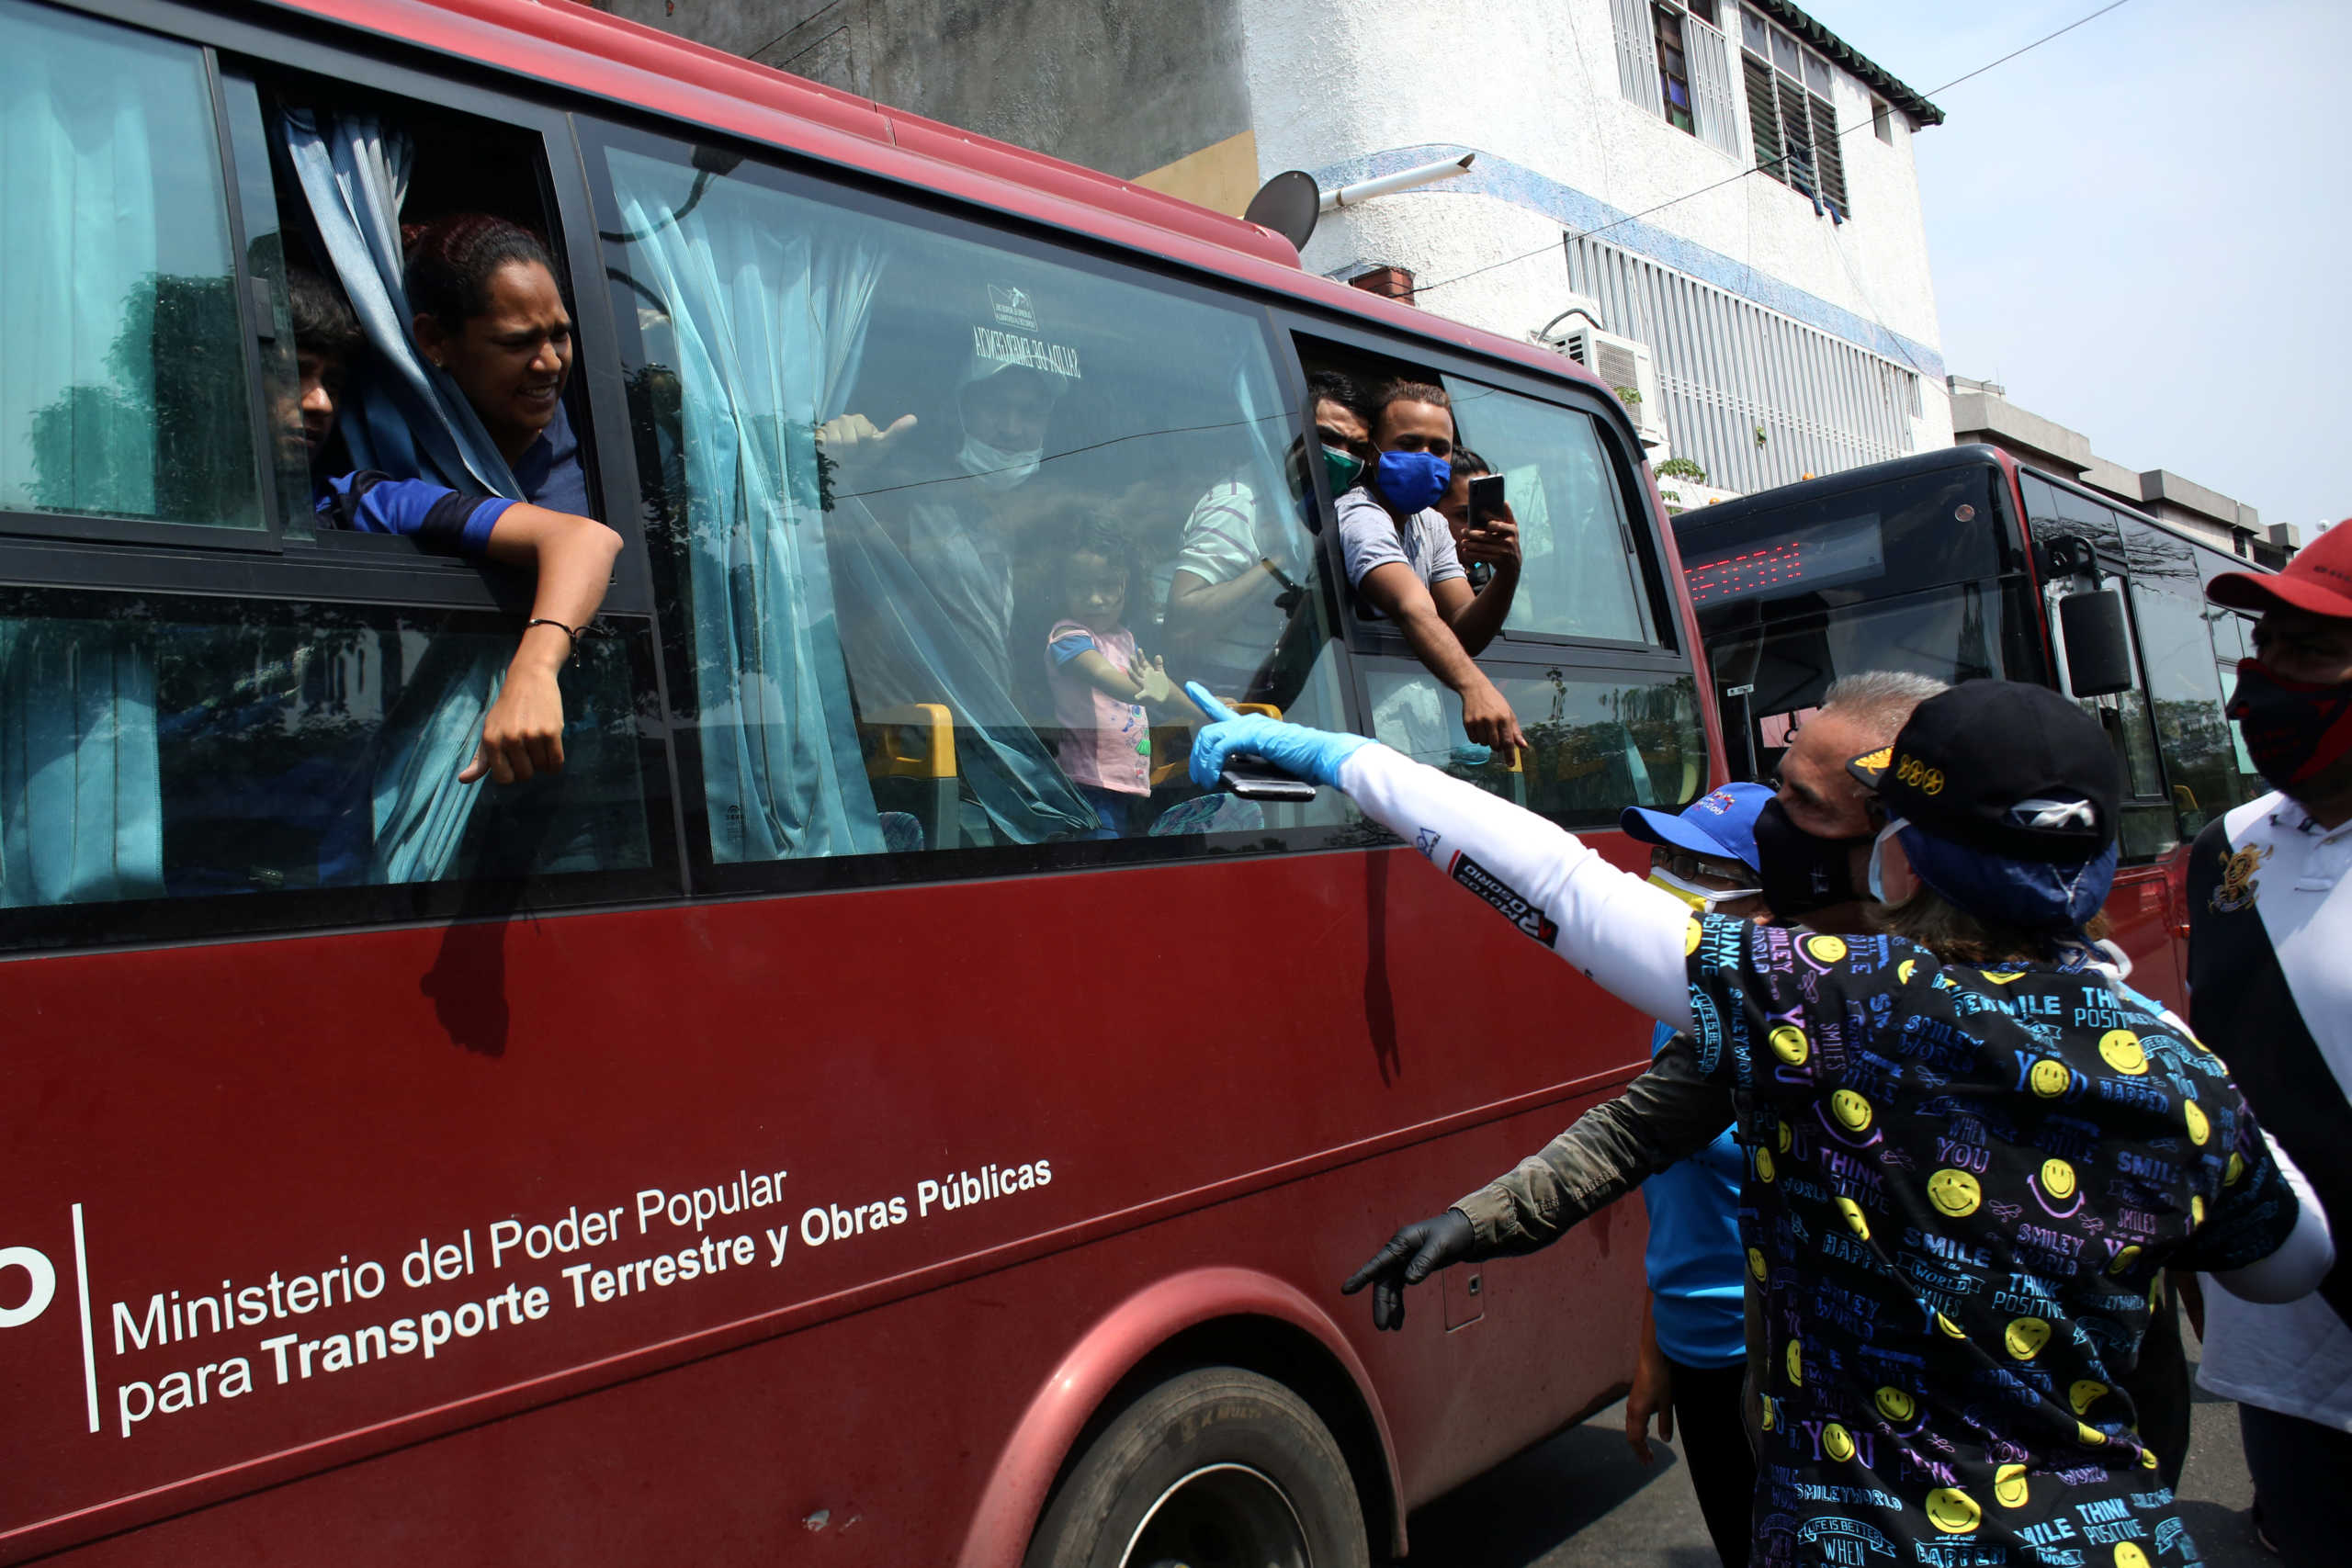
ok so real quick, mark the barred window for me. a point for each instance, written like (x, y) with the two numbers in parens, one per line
(1752, 395)
(1791, 122)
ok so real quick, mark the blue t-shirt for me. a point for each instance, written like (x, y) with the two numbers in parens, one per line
(1695, 1259)
(549, 472)
(436, 516)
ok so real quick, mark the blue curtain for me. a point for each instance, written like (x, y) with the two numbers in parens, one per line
(81, 802)
(81, 808)
(768, 327)
(411, 423)
(910, 649)
(404, 419)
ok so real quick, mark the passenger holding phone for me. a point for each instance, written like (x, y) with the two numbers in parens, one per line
(1486, 535)
(1400, 556)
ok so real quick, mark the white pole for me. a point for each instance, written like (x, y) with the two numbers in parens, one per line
(1387, 185)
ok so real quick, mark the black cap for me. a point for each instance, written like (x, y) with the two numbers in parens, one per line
(2002, 767)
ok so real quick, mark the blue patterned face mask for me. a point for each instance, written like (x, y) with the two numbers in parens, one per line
(2035, 894)
(1413, 480)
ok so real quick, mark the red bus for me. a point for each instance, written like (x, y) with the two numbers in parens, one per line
(1963, 564)
(803, 1127)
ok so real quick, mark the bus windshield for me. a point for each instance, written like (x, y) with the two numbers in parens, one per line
(1911, 573)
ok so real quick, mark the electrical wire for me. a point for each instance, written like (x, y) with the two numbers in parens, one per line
(1839, 135)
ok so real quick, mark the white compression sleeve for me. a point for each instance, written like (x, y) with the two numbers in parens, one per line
(1624, 934)
(2294, 1270)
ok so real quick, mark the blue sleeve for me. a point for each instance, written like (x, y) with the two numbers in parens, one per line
(439, 518)
(1069, 647)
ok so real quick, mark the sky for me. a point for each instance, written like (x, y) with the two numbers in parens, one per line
(2143, 229)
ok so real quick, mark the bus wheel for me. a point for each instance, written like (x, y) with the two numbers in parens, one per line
(1218, 1468)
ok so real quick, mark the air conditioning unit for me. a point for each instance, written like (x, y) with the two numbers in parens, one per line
(1627, 367)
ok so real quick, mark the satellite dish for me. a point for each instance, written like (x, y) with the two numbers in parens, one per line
(1288, 204)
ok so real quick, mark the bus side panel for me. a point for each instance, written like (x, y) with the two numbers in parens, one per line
(339, 1193)
(866, 1440)
(2138, 910)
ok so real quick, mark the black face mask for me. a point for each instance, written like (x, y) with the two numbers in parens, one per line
(2293, 731)
(1799, 873)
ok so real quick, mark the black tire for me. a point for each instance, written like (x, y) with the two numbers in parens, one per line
(1206, 1470)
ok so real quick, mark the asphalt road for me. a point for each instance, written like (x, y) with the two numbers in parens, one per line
(1583, 1501)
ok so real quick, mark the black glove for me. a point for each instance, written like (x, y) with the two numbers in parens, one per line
(1412, 1254)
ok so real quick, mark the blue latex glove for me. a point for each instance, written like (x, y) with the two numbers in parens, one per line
(1314, 755)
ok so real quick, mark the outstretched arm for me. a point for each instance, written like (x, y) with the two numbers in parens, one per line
(1394, 590)
(522, 732)
(1626, 935)
(1668, 1114)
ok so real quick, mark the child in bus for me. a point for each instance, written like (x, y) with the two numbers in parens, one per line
(570, 555)
(1100, 684)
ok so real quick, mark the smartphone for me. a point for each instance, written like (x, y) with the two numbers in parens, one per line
(1251, 779)
(1485, 499)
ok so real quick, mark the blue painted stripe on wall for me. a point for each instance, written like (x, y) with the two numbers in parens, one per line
(1522, 187)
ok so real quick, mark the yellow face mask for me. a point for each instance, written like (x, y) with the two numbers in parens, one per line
(1701, 899)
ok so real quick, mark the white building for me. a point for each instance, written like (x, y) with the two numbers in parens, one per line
(1765, 315)
(1618, 143)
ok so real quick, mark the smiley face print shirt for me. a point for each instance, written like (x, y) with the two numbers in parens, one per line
(1962, 1184)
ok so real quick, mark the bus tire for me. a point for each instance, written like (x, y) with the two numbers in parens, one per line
(1215, 1467)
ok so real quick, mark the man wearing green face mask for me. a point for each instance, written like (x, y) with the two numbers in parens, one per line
(1248, 557)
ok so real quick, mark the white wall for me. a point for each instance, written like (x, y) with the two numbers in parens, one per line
(1344, 88)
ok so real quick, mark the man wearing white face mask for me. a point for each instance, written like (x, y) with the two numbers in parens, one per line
(956, 537)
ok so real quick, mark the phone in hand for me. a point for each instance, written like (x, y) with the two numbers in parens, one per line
(1485, 499)
(1253, 779)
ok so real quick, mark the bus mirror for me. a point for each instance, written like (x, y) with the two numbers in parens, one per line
(2098, 653)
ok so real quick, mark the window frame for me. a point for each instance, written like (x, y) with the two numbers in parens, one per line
(1662, 16)
(108, 556)
(934, 212)
(287, 913)
(1809, 110)
(1370, 637)
(335, 565)
(268, 538)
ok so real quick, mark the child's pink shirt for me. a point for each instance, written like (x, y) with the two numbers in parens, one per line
(1106, 743)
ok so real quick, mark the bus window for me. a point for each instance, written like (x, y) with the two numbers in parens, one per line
(1602, 740)
(126, 393)
(2147, 829)
(912, 489)
(2184, 684)
(1578, 577)
(2233, 641)
(167, 747)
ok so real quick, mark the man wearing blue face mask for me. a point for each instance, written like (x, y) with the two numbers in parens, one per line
(1400, 556)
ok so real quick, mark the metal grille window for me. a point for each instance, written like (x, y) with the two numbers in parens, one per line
(1790, 118)
(1672, 62)
(1752, 395)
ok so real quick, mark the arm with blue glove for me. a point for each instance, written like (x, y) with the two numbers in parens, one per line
(1624, 934)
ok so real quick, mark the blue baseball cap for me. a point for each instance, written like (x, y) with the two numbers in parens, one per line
(1720, 824)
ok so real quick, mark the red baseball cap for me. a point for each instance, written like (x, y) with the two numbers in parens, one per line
(2318, 581)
